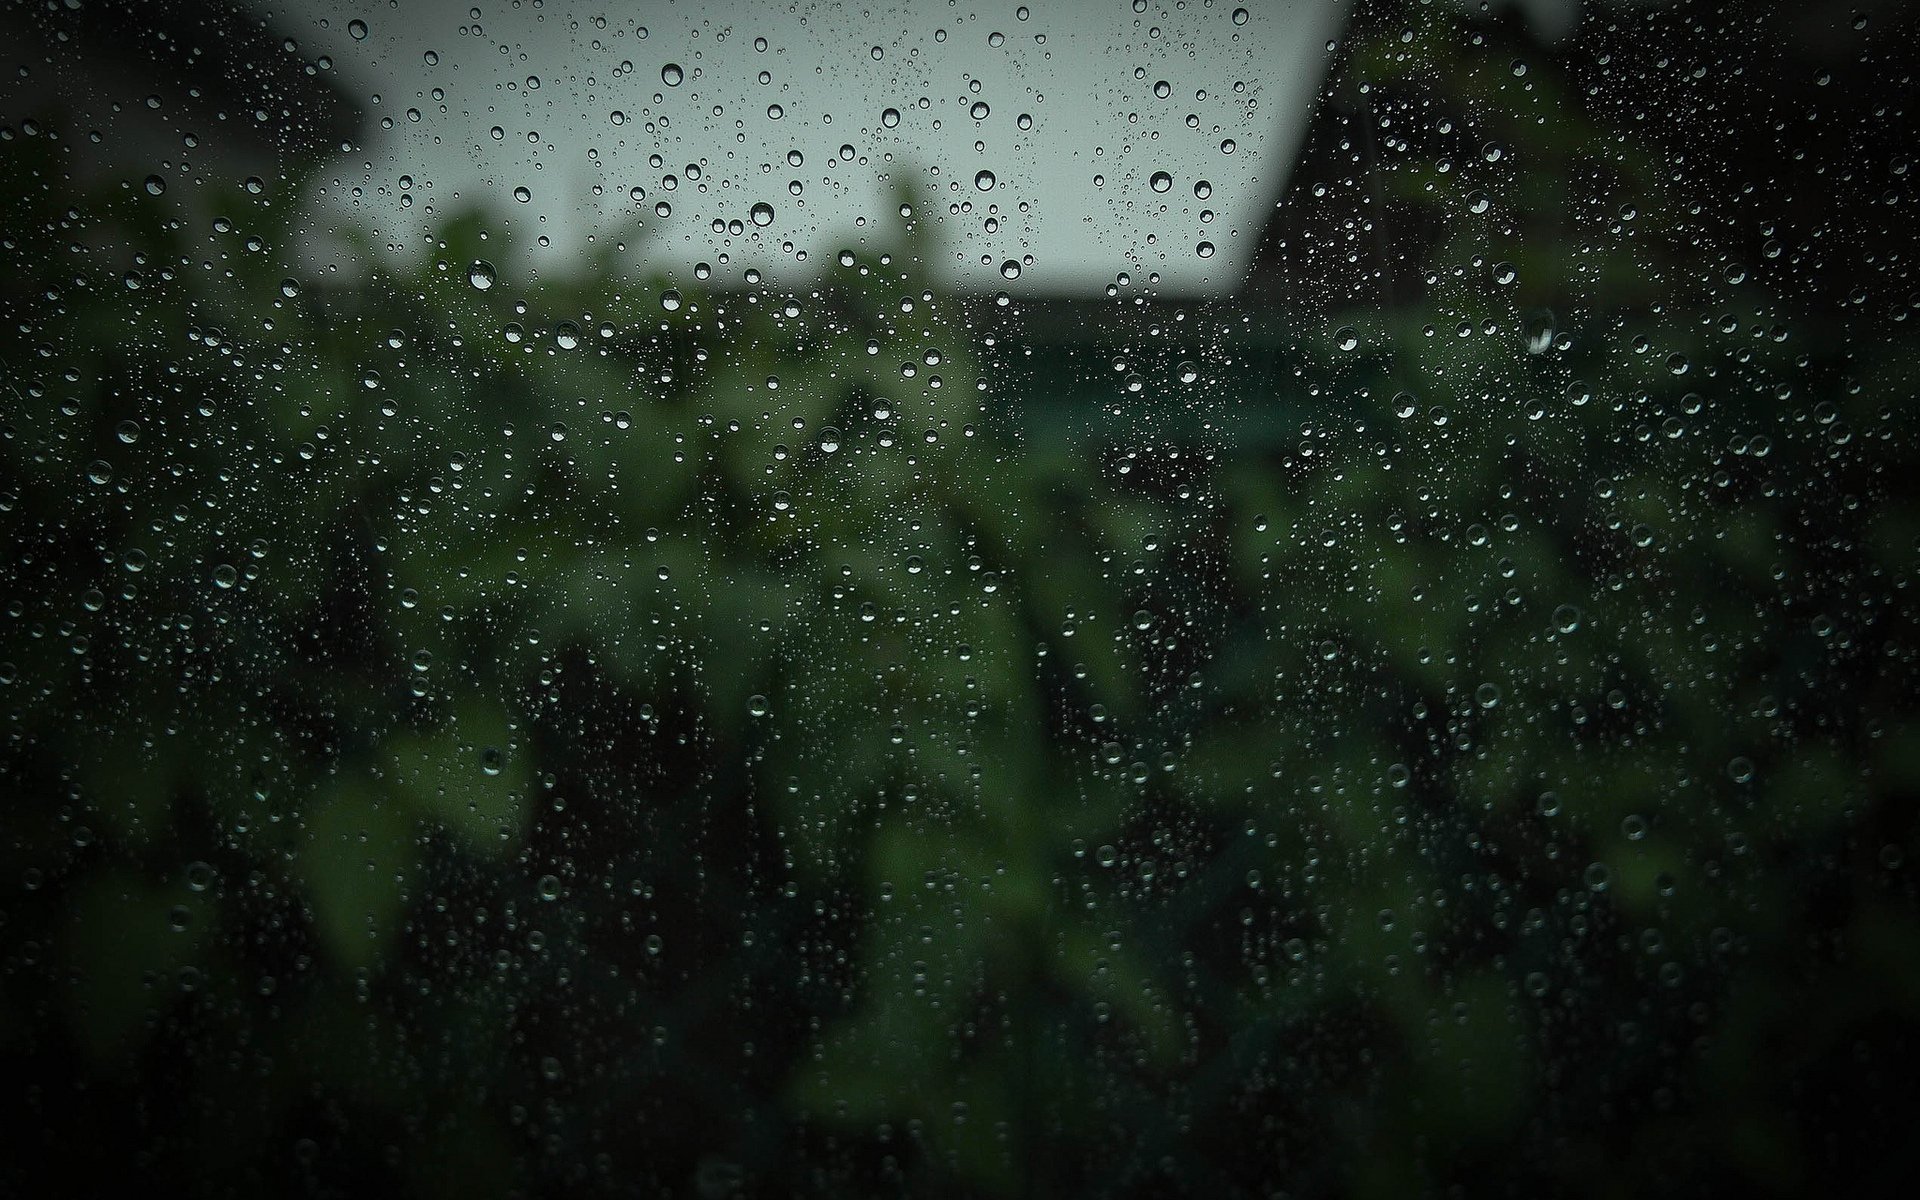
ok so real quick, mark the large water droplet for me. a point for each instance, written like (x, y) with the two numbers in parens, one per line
(481, 274)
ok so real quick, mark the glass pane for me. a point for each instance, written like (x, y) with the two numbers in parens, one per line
(1132, 599)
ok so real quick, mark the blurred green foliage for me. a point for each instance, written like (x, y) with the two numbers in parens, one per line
(1446, 733)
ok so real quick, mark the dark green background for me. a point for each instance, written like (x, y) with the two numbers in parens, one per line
(551, 771)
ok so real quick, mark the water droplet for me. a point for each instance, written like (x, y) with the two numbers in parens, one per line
(1160, 181)
(155, 185)
(890, 118)
(357, 30)
(1010, 269)
(567, 334)
(762, 214)
(757, 705)
(1240, 16)
(1539, 332)
(481, 274)
(1204, 249)
(670, 300)
(522, 194)
(984, 181)
(671, 74)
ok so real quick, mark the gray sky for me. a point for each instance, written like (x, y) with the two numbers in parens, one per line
(1074, 192)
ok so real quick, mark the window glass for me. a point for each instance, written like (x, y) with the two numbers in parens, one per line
(1142, 598)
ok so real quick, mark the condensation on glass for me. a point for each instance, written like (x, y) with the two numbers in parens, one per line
(1146, 598)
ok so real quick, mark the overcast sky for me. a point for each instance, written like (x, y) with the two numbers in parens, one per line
(581, 97)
